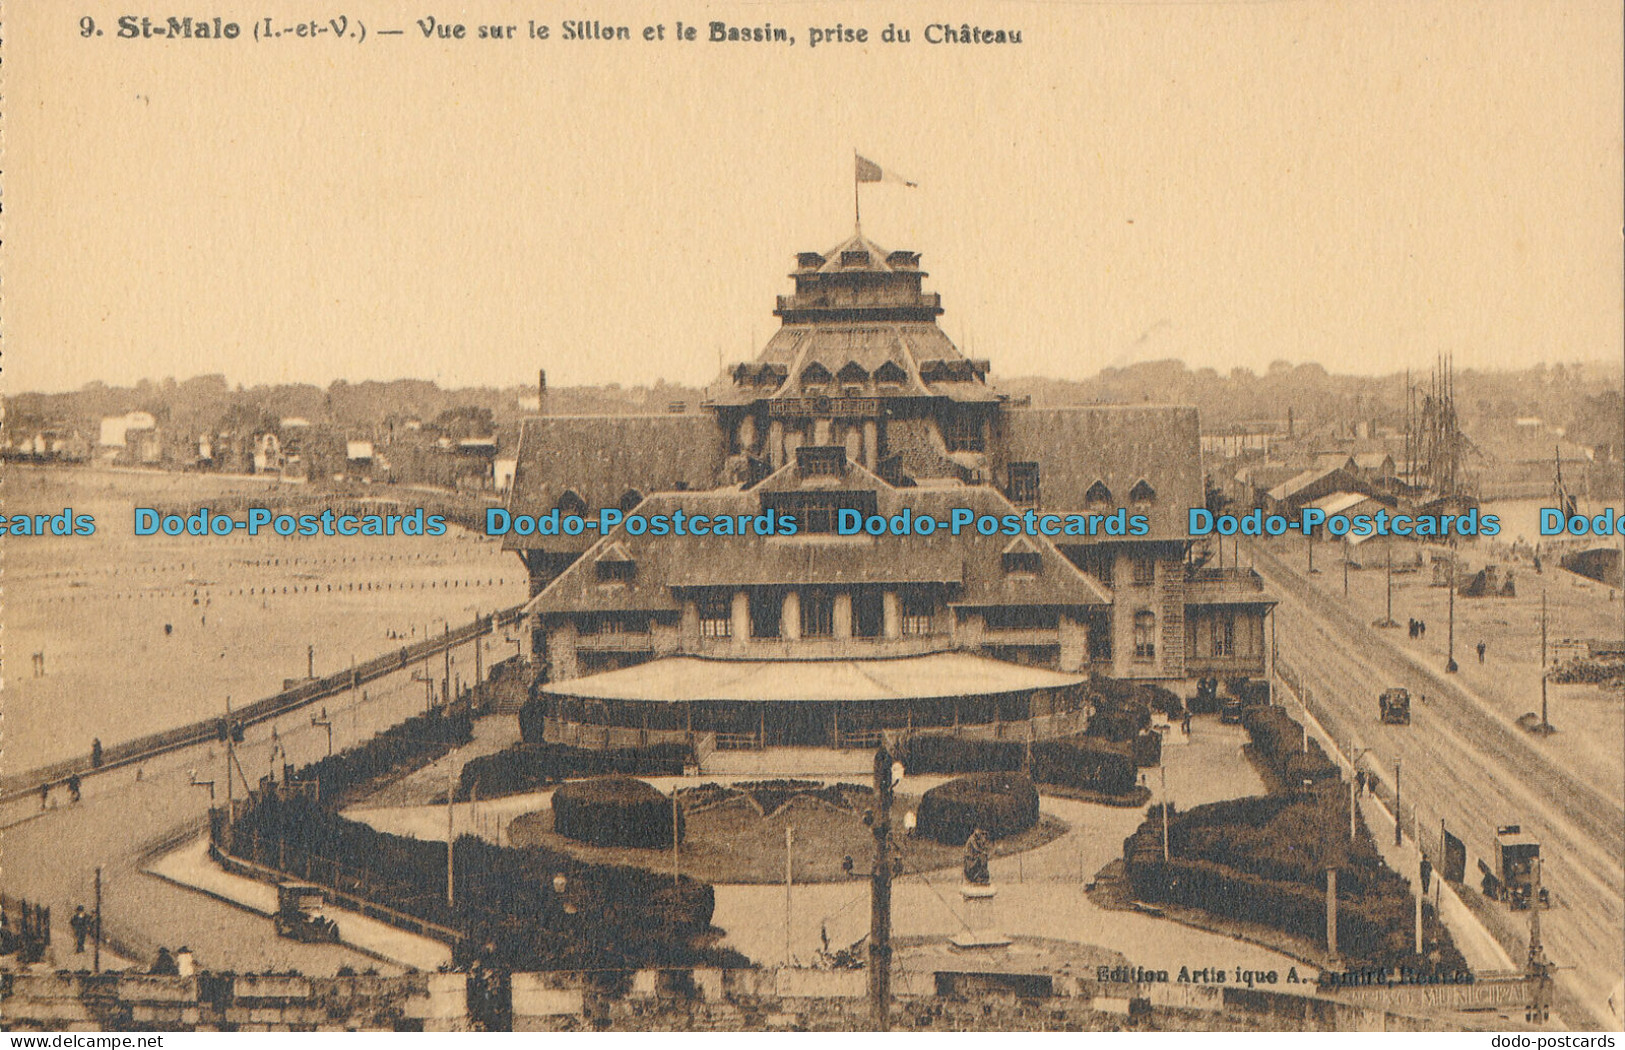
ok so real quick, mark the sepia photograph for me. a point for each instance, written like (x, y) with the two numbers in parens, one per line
(808, 516)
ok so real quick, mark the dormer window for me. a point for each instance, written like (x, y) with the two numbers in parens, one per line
(615, 565)
(1142, 492)
(903, 260)
(571, 503)
(854, 259)
(1022, 487)
(891, 374)
(809, 261)
(1098, 496)
(853, 373)
(617, 571)
(1024, 563)
(1021, 558)
(814, 378)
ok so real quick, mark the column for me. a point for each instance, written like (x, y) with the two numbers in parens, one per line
(820, 432)
(854, 444)
(775, 443)
(741, 617)
(843, 614)
(747, 434)
(892, 614)
(790, 617)
(871, 443)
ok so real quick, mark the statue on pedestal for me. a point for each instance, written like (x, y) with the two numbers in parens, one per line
(978, 849)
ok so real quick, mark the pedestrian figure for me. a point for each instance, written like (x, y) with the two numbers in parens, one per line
(1481, 648)
(1359, 783)
(169, 629)
(44, 796)
(96, 753)
(80, 924)
(1421, 628)
(73, 787)
(39, 664)
(1185, 723)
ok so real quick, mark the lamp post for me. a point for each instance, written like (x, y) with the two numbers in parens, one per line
(1545, 726)
(1450, 659)
(1354, 772)
(1398, 839)
(880, 896)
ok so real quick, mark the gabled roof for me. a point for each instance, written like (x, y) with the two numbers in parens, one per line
(602, 457)
(1298, 482)
(1373, 460)
(970, 564)
(843, 258)
(1339, 502)
(1117, 445)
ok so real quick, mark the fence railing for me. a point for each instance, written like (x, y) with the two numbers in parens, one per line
(290, 699)
(348, 887)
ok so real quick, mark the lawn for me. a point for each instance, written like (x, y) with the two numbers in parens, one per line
(730, 840)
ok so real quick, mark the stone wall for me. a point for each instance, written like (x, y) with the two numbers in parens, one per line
(237, 1003)
(658, 1000)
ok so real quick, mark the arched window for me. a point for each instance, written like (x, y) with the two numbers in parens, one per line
(1145, 636)
(1097, 496)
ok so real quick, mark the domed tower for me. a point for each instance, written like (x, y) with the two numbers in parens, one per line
(860, 363)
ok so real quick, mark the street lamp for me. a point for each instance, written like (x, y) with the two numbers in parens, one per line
(1354, 772)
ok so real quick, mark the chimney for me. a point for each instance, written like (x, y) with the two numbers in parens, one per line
(541, 391)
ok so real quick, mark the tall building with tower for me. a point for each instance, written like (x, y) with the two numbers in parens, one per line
(859, 401)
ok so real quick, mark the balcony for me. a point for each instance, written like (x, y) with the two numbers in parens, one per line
(1226, 587)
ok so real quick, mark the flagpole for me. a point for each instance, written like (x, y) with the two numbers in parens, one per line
(857, 213)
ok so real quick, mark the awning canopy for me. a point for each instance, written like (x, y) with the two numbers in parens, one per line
(679, 679)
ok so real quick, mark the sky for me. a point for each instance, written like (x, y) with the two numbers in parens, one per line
(1361, 184)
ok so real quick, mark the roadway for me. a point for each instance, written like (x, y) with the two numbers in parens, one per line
(130, 813)
(1463, 763)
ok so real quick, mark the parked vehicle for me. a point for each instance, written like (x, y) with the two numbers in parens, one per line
(299, 913)
(1394, 707)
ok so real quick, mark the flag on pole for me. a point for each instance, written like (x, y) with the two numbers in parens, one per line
(869, 171)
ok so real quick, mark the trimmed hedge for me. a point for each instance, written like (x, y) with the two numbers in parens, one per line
(1148, 749)
(608, 917)
(1278, 743)
(1001, 804)
(527, 767)
(938, 753)
(614, 811)
(396, 751)
(1373, 913)
(1087, 762)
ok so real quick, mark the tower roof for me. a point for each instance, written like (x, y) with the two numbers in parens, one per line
(859, 324)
